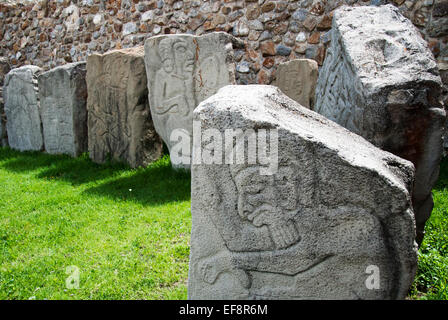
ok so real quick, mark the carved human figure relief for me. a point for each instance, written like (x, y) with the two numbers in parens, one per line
(182, 71)
(308, 230)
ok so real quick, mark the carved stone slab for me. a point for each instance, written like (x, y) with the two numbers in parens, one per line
(336, 208)
(380, 80)
(4, 69)
(20, 94)
(297, 79)
(63, 97)
(119, 119)
(183, 70)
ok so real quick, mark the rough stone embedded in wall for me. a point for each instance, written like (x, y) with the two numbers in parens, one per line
(297, 79)
(63, 98)
(438, 22)
(4, 69)
(184, 70)
(120, 126)
(380, 80)
(21, 101)
(335, 209)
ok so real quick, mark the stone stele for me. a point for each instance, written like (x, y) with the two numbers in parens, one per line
(4, 69)
(297, 79)
(20, 94)
(380, 80)
(182, 71)
(336, 209)
(63, 98)
(119, 120)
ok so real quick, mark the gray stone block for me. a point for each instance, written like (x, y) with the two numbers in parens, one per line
(297, 79)
(20, 93)
(182, 71)
(4, 69)
(63, 97)
(119, 120)
(336, 210)
(380, 80)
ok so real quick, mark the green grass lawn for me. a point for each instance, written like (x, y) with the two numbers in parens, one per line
(432, 275)
(126, 231)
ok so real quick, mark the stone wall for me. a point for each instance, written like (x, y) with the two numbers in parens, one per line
(50, 33)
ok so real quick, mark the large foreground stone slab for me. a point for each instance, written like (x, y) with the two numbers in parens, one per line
(63, 98)
(297, 79)
(20, 93)
(119, 119)
(183, 70)
(380, 80)
(336, 210)
(4, 69)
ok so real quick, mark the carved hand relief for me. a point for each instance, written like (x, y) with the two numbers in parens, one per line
(182, 71)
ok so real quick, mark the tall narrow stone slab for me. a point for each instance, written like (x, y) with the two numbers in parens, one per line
(20, 93)
(63, 98)
(380, 80)
(335, 211)
(183, 70)
(297, 79)
(119, 119)
(4, 69)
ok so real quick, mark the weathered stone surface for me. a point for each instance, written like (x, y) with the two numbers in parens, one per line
(182, 71)
(335, 206)
(20, 94)
(119, 119)
(380, 81)
(63, 98)
(297, 79)
(4, 69)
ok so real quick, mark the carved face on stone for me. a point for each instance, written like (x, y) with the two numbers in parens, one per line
(183, 56)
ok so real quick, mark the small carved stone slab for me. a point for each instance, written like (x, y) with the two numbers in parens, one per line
(21, 101)
(336, 208)
(297, 79)
(63, 98)
(183, 70)
(119, 120)
(4, 69)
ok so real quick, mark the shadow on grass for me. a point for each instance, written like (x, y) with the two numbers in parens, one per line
(156, 184)
(62, 167)
(17, 161)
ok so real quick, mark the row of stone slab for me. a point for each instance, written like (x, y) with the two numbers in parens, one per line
(338, 216)
(123, 103)
(103, 106)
